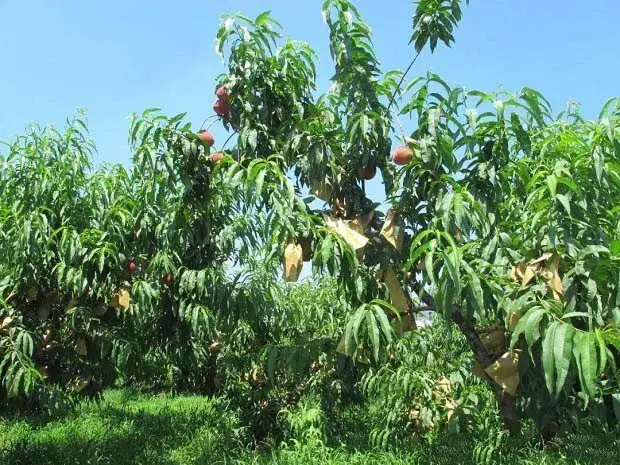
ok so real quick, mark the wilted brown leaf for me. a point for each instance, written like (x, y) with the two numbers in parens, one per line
(122, 299)
(494, 341)
(393, 229)
(406, 323)
(554, 280)
(293, 262)
(322, 191)
(350, 230)
(397, 295)
(529, 273)
(543, 266)
(504, 371)
(6, 322)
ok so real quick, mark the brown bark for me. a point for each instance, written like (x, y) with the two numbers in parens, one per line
(506, 403)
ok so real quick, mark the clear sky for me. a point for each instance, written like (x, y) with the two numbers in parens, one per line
(115, 57)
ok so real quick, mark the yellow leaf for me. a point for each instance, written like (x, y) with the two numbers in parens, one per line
(450, 407)
(504, 371)
(351, 233)
(393, 229)
(444, 385)
(7, 322)
(542, 258)
(122, 299)
(293, 262)
(340, 206)
(529, 273)
(513, 319)
(553, 278)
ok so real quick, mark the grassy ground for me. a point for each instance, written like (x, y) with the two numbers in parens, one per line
(129, 428)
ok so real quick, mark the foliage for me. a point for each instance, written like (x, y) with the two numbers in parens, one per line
(504, 223)
(497, 186)
(427, 388)
(125, 427)
(77, 238)
(435, 20)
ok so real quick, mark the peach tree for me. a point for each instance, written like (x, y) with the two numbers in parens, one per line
(501, 216)
(111, 275)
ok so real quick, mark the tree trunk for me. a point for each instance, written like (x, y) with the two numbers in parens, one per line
(507, 406)
(506, 403)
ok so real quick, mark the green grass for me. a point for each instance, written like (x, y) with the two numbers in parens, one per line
(130, 428)
(125, 428)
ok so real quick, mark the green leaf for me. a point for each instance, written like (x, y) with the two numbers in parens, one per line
(552, 183)
(532, 328)
(602, 351)
(584, 351)
(428, 266)
(533, 314)
(562, 354)
(564, 201)
(548, 356)
(476, 290)
(382, 318)
(373, 332)
(327, 248)
(599, 166)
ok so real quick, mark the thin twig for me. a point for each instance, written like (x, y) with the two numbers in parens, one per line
(402, 78)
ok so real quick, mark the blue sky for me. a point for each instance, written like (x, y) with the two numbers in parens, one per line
(116, 57)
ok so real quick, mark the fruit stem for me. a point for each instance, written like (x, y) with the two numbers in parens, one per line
(227, 140)
(207, 119)
(400, 126)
